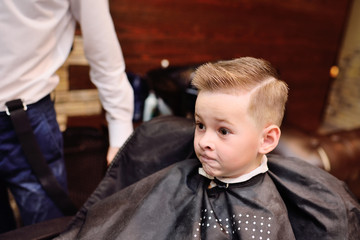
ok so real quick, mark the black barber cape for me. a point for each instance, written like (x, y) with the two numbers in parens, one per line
(293, 200)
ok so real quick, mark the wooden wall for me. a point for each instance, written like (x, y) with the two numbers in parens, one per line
(300, 37)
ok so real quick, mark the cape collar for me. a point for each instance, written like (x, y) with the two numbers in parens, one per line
(261, 169)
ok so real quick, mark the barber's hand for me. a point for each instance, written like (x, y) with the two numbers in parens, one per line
(111, 154)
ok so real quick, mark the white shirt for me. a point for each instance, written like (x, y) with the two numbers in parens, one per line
(243, 178)
(35, 39)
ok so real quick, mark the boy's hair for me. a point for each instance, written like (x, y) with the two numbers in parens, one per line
(257, 76)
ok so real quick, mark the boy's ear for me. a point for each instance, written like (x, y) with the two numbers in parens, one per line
(270, 139)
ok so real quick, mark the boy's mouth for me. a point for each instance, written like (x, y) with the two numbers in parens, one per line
(206, 158)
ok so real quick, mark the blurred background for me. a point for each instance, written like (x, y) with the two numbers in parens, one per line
(304, 39)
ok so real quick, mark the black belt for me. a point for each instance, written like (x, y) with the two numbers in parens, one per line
(16, 109)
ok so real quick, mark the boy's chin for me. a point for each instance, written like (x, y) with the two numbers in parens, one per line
(209, 171)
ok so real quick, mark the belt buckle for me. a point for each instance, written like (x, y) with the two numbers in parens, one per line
(8, 111)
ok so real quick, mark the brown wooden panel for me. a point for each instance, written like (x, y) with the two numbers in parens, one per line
(301, 38)
(79, 77)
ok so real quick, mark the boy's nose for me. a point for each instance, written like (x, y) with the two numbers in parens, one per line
(206, 141)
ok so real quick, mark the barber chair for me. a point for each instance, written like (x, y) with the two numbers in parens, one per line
(338, 152)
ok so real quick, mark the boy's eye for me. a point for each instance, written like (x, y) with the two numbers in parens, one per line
(224, 131)
(200, 126)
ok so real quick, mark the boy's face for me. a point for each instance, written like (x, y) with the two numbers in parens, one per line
(226, 137)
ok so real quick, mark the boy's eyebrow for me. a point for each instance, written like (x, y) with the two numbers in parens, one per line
(218, 119)
(223, 120)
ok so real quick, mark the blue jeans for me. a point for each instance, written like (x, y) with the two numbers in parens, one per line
(15, 173)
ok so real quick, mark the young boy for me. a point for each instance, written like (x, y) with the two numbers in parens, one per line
(238, 112)
(228, 192)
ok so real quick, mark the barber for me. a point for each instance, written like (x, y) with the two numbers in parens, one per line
(36, 38)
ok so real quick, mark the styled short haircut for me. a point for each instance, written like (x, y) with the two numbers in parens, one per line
(244, 75)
